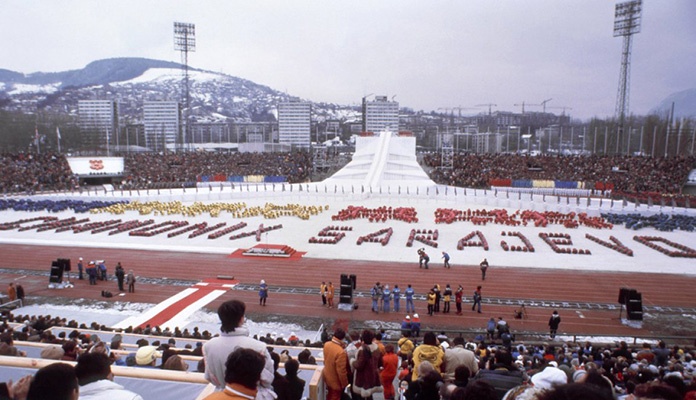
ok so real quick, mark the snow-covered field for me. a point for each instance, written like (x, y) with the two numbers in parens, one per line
(296, 232)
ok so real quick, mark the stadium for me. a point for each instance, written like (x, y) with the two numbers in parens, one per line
(614, 268)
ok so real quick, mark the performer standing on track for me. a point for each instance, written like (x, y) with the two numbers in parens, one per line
(263, 292)
(554, 321)
(446, 257)
(322, 292)
(330, 294)
(477, 299)
(484, 268)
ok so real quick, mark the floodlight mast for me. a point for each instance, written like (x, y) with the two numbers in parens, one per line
(185, 42)
(627, 18)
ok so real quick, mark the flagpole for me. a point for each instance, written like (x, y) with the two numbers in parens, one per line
(36, 139)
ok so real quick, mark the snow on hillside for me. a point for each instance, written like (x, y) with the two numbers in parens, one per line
(21, 88)
(163, 75)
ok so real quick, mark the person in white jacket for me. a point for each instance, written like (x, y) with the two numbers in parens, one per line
(94, 375)
(232, 336)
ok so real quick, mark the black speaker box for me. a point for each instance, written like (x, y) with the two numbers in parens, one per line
(66, 264)
(56, 272)
(623, 293)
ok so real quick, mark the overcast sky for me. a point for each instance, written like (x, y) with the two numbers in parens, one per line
(429, 54)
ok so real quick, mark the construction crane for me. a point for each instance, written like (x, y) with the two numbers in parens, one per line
(446, 109)
(523, 104)
(564, 108)
(460, 108)
(489, 105)
(543, 104)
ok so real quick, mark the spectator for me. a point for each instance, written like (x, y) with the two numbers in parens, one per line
(280, 385)
(427, 385)
(243, 370)
(233, 335)
(7, 347)
(335, 371)
(427, 351)
(93, 371)
(457, 355)
(501, 374)
(366, 367)
(54, 382)
(295, 384)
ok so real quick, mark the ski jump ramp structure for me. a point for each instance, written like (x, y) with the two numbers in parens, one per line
(384, 160)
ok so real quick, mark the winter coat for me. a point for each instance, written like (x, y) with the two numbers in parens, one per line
(216, 351)
(335, 365)
(105, 389)
(554, 321)
(427, 352)
(366, 380)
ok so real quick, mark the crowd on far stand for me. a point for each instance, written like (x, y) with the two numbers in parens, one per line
(627, 173)
(29, 172)
(142, 170)
(32, 173)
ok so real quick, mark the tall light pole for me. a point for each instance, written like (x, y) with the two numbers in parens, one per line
(185, 42)
(627, 18)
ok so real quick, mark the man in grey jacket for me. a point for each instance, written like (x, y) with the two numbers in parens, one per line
(94, 375)
(233, 336)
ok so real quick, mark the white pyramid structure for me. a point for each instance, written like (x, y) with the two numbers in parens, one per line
(384, 160)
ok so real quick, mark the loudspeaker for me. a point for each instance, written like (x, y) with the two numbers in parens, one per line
(346, 290)
(623, 293)
(56, 272)
(66, 264)
(354, 279)
(634, 306)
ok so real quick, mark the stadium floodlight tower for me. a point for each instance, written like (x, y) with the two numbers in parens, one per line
(626, 23)
(185, 42)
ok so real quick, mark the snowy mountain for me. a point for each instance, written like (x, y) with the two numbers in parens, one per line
(684, 105)
(131, 81)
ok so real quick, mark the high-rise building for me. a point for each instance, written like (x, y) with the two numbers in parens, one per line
(294, 123)
(98, 123)
(380, 114)
(162, 121)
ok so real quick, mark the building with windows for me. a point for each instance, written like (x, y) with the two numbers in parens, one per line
(163, 125)
(380, 114)
(294, 123)
(98, 121)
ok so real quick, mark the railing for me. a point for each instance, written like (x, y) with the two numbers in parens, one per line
(315, 387)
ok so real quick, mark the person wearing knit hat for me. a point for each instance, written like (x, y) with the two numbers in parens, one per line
(146, 356)
(579, 375)
(52, 352)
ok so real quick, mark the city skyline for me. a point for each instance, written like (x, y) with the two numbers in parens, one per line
(449, 54)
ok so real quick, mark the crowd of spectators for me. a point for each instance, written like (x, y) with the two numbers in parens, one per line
(532, 371)
(627, 173)
(25, 172)
(141, 170)
(31, 173)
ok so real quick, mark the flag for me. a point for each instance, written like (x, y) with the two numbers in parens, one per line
(58, 133)
(36, 136)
